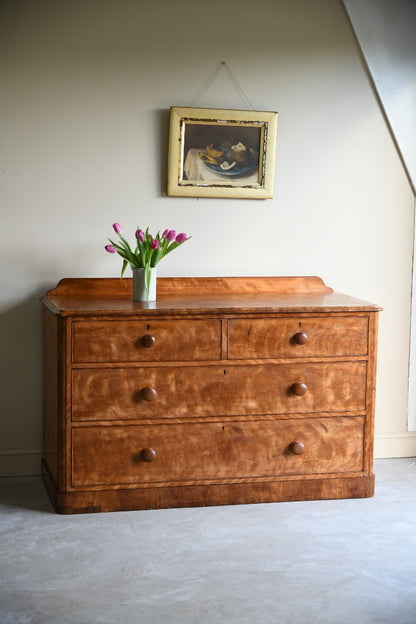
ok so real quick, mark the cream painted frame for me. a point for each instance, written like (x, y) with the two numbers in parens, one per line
(265, 122)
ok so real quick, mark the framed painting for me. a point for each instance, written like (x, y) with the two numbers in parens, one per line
(221, 153)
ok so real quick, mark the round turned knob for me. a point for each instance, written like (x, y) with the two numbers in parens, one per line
(296, 447)
(148, 341)
(300, 338)
(299, 388)
(148, 394)
(148, 454)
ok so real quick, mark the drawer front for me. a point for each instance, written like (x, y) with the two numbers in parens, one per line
(160, 454)
(201, 391)
(297, 337)
(145, 341)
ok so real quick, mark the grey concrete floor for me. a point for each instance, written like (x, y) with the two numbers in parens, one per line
(322, 562)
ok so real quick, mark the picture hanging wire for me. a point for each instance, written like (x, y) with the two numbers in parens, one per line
(220, 66)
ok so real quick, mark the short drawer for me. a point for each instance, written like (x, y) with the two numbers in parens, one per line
(315, 336)
(134, 341)
(212, 452)
(200, 391)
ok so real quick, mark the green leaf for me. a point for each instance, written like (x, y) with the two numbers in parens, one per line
(171, 247)
(126, 254)
(147, 276)
(156, 257)
(125, 242)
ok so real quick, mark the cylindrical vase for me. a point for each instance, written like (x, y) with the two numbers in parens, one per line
(144, 284)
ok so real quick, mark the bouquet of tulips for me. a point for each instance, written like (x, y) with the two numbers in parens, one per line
(149, 249)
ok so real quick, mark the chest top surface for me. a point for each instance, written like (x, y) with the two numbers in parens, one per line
(191, 295)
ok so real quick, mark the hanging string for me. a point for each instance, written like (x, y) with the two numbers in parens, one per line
(238, 86)
(222, 65)
(206, 84)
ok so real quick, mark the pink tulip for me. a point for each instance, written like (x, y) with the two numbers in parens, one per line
(171, 235)
(181, 237)
(154, 244)
(140, 235)
(110, 249)
(117, 228)
(165, 233)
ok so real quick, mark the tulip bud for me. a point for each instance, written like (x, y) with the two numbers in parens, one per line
(181, 238)
(171, 235)
(140, 235)
(110, 249)
(154, 244)
(117, 228)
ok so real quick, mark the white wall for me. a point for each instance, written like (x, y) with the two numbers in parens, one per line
(87, 88)
(385, 30)
(386, 34)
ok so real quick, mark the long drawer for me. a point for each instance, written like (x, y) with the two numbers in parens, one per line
(145, 341)
(201, 391)
(211, 452)
(314, 336)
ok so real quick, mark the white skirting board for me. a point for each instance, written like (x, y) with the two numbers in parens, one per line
(395, 445)
(27, 462)
(20, 462)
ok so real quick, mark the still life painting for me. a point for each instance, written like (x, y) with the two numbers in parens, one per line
(221, 153)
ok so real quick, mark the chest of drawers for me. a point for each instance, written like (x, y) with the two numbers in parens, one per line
(223, 391)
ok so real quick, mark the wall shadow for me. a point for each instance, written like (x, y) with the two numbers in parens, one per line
(21, 373)
(162, 121)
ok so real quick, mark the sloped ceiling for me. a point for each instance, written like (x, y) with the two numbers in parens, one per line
(386, 33)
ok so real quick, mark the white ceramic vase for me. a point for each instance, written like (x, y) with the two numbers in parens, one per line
(144, 284)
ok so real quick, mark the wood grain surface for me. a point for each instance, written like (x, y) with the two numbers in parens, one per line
(223, 391)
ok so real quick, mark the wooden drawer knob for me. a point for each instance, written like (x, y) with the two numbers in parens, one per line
(296, 447)
(148, 454)
(300, 338)
(148, 341)
(148, 394)
(299, 388)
